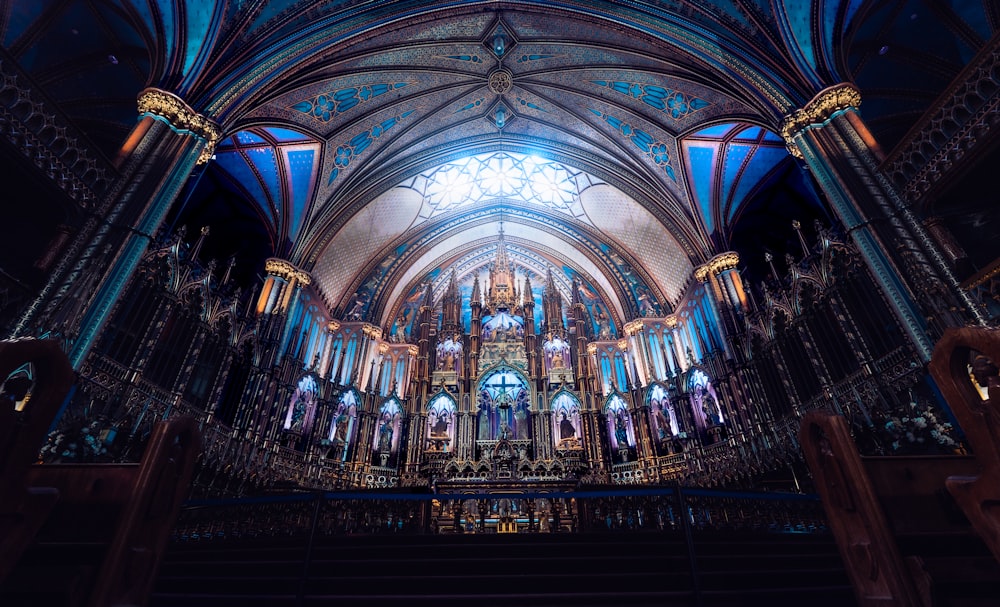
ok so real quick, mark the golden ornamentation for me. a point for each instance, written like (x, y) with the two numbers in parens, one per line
(671, 320)
(824, 105)
(383, 348)
(591, 348)
(413, 350)
(333, 326)
(181, 116)
(283, 269)
(371, 331)
(623, 344)
(633, 327)
(701, 273)
(723, 261)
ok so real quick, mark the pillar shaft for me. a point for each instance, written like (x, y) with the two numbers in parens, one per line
(829, 135)
(157, 160)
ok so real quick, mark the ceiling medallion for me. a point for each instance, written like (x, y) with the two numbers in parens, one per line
(501, 81)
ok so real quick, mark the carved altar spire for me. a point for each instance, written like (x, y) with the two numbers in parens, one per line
(428, 299)
(502, 292)
(552, 304)
(451, 306)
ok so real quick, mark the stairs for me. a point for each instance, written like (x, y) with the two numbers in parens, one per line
(582, 570)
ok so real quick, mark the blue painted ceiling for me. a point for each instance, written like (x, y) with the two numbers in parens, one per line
(329, 107)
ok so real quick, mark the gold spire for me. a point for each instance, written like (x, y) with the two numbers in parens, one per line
(502, 292)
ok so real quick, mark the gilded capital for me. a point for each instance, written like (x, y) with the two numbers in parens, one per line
(180, 115)
(283, 269)
(723, 261)
(824, 105)
(633, 327)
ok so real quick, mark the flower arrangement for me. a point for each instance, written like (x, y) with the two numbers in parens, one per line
(917, 430)
(78, 442)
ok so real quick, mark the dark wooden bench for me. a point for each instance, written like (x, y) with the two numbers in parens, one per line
(915, 530)
(102, 530)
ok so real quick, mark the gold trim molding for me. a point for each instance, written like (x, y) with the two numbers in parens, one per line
(718, 264)
(284, 269)
(633, 327)
(824, 105)
(181, 116)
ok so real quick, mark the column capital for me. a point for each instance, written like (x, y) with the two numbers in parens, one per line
(181, 116)
(284, 269)
(633, 327)
(819, 109)
(718, 264)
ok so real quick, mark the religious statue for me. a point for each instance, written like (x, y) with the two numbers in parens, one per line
(484, 416)
(566, 428)
(712, 406)
(440, 427)
(340, 432)
(660, 419)
(521, 418)
(385, 434)
(621, 431)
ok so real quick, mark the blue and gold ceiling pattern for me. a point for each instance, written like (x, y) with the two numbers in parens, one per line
(332, 111)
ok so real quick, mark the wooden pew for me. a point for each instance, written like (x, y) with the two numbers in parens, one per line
(22, 509)
(102, 530)
(908, 526)
(102, 543)
(978, 494)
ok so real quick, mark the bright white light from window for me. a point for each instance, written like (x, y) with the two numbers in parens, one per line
(502, 175)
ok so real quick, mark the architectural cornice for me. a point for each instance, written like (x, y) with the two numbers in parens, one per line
(820, 109)
(718, 264)
(172, 108)
(284, 269)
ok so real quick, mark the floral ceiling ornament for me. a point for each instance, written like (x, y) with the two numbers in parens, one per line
(654, 149)
(347, 152)
(326, 106)
(671, 102)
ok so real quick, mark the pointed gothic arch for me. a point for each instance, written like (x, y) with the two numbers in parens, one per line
(441, 420)
(503, 404)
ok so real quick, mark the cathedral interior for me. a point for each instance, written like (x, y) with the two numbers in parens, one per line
(498, 245)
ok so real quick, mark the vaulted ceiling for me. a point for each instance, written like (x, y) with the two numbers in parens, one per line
(379, 145)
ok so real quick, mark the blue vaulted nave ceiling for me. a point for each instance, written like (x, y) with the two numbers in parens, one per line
(662, 114)
(276, 168)
(726, 164)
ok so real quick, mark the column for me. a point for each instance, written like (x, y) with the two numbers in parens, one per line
(836, 145)
(280, 294)
(156, 160)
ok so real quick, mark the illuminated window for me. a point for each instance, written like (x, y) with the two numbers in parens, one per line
(501, 175)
